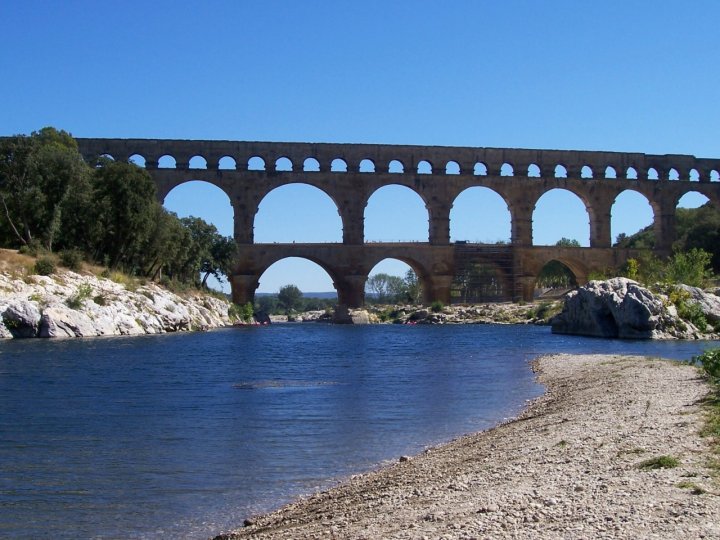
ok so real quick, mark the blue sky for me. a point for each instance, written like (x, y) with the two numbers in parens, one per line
(638, 76)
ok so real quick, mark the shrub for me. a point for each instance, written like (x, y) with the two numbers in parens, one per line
(437, 306)
(660, 462)
(44, 266)
(71, 259)
(709, 361)
(83, 293)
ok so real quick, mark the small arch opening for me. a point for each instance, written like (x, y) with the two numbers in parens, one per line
(586, 172)
(256, 163)
(480, 169)
(694, 175)
(631, 173)
(283, 164)
(198, 162)
(610, 172)
(507, 170)
(227, 163)
(166, 162)
(367, 166)
(311, 165)
(137, 159)
(673, 174)
(338, 165)
(424, 167)
(396, 166)
(652, 174)
(561, 171)
(533, 171)
(452, 167)
(714, 176)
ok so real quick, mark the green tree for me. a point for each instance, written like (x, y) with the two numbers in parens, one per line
(413, 289)
(125, 207)
(386, 288)
(209, 253)
(567, 242)
(38, 174)
(691, 268)
(289, 298)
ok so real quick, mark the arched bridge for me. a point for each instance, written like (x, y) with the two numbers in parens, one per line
(350, 173)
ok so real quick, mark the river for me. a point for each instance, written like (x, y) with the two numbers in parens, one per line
(185, 435)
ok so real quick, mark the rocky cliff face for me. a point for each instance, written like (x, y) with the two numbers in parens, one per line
(622, 308)
(68, 304)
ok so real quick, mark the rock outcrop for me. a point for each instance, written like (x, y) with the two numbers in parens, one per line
(622, 308)
(68, 304)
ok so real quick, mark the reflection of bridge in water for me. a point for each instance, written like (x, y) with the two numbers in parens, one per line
(350, 173)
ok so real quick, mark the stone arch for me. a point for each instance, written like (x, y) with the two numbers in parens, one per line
(295, 270)
(673, 174)
(389, 265)
(631, 173)
(480, 169)
(366, 166)
(556, 276)
(393, 200)
(569, 226)
(652, 174)
(227, 163)
(396, 166)
(506, 169)
(486, 205)
(256, 163)
(691, 199)
(297, 212)
(311, 165)
(452, 167)
(137, 159)
(197, 162)
(283, 164)
(714, 176)
(561, 171)
(166, 161)
(610, 172)
(338, 165)
(586, 172)
(631, 212)
(533, 171)
(424, 167)
(693, 175)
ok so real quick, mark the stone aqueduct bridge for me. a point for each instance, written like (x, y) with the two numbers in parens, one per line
(350, 173)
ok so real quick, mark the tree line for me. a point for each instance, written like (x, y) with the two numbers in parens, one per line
(53, 201)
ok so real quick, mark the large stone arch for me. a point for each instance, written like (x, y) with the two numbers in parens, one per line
(275, 188)
(481, 189)
(579, 195)
(423, 273)
(654, 208)
(416, 194)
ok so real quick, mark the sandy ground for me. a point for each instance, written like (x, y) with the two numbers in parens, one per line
(567, 468)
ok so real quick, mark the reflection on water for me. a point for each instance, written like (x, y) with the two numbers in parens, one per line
(187, 435)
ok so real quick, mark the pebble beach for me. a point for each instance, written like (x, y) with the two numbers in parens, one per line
(570, 466)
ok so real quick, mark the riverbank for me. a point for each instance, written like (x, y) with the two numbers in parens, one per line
(569, 467)
(83, 304)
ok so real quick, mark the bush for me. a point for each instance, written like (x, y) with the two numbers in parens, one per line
(71, 259)
(44, 266)
(709, 361)
(83, 293)
(437, 306)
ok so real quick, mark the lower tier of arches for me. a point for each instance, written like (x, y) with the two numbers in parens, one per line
(501, 272)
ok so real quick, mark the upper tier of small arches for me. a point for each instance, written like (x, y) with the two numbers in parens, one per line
(390, 159)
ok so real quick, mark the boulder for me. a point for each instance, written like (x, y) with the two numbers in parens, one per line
(709, 303)
(344, 315)
(616, 308)
(62, 321)
(21, 319)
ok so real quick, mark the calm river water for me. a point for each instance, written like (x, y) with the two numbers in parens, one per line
(186, 435)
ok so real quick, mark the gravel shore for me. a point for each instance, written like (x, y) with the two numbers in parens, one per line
(567, 468)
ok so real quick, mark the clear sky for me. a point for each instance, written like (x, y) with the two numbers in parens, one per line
(636, 76)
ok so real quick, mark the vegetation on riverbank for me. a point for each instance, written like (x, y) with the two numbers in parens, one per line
(709, 364)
